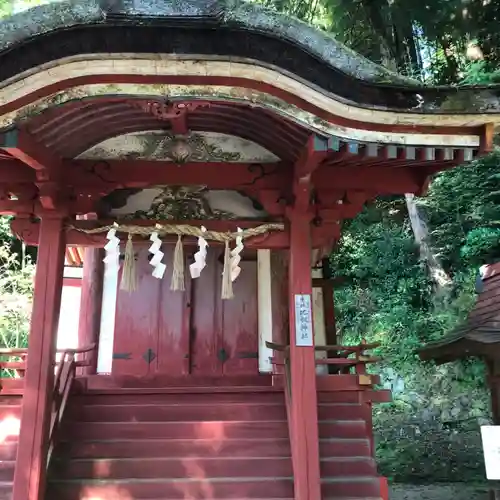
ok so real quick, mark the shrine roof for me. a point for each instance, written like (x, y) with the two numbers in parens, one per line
(222, 29)
(480, 334)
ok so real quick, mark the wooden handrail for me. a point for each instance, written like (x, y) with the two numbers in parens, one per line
(19, 366)
(24, 350)
(340, 360)
(63, 382)
(350, 349)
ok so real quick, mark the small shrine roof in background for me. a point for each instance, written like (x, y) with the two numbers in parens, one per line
(480, 334)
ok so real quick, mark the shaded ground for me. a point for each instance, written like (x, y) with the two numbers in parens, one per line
(438, 492)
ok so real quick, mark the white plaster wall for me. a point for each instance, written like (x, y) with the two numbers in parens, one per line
(265, 310)
(108, 314)
(67, 331)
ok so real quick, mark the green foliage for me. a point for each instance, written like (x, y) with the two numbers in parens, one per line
(16, 286)
(389, 298)
(479, 73)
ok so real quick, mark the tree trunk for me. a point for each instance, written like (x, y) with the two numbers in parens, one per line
(436, 272)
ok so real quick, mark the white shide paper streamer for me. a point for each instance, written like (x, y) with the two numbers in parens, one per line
(200, 257)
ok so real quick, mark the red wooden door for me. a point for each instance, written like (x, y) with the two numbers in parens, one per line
(151, 327)
(225, 332)
(159, 331)
(206, 333)
(173, 346)
(136, 323)
(240, 324)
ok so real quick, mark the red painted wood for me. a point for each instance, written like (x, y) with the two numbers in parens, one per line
(90, 304)
(304, 413)
(347, 429)
(181, 447)
(206, 331)
(172, 345)
(197, 467)
(342, 447)
(240, 323)
(143, 173)
(280, 302)
(263, 396)
(384, 488)
(8, 451)
(29, 480)
(137, 321)
(361, 487)
(193, 384)
(232, 82)
(189, 431)
(347, 466)
(178, 413)
(275, 488)
(73, 282)
(177, 448)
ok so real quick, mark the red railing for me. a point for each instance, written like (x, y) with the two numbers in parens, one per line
(20, 355)
(348, 359)
(65, 374)
(344, 359)
(63, 382)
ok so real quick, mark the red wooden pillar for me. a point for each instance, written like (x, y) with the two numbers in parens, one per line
(30, 474)
(90, 304)
(304, 409)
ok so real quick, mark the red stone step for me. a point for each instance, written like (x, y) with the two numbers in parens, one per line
(181, 489)
(352, 487)
(344, 448)
(177, 468)
(341, 411)
(177, 413)
(214, 430)
(175, 448)
(348, 466)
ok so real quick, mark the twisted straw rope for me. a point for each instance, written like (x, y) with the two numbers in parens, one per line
(185, 230)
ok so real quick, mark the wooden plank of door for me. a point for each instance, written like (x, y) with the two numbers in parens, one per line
(173, 347)
(137, 318)
(240, 324)
(205, 323)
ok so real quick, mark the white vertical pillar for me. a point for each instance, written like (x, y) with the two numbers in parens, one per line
(319, 322)
(265, 311)
(108, 313)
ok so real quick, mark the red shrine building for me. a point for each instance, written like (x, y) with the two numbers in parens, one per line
(186, 166)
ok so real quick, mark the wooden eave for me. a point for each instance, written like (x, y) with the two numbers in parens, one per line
(480, 334)
(227, 30)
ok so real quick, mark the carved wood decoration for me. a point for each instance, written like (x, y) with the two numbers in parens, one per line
(173, 112)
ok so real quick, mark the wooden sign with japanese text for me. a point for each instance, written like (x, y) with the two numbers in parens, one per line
(303, 321)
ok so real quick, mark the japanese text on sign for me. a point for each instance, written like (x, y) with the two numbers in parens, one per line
(491, 449)
(303, 321)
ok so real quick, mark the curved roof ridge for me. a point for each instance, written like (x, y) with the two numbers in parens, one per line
(65, 14)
